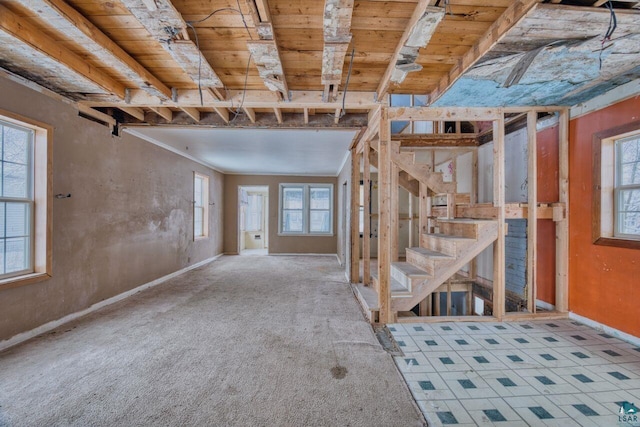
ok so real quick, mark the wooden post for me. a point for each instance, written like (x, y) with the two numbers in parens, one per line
(366, 232)
(436, 304)
(451, 205)
(384, 218)
(498, 201)
(562, 227)
(355, 217)
(395, 215)
(532, 217)
(424, 210)
(473, 197)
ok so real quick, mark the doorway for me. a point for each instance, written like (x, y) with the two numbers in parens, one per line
(253, 220)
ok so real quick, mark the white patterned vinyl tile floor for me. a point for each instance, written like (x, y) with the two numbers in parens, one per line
(533, 373)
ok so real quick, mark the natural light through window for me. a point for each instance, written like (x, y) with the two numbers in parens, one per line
(200, 205)
(306, 208)
(627, 187)
(16, 200)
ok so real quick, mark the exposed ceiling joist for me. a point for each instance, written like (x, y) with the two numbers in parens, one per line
(265, 53)
(66, 20)
(250, 99)
(163, 112)
(192, 112)
(278, 113)
(223, 113)
(267, 59)
(163, 21)
(251, 114)
(510, 17)
(28, 34)
(436, 140)
(134, 112)
(337, 36)
(417, 34)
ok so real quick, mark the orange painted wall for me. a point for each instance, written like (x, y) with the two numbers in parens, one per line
(547, 183)
(603, 281)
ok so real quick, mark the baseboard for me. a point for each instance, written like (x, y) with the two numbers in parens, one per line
(24, 336)
(606, 329)
(545, 305)
(301, 254)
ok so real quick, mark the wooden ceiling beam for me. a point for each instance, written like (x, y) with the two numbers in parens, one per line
(27, 33)
(266, 56)
(136, 112)
(223, 113)
(73, 24)
(436, 140)
(251, 113)
(250, 99)
(509, 18)
(163, 112)
(337, 36)
(265, 52)
(192, 112)
(278, 113)
(417, 34)
(166, 25)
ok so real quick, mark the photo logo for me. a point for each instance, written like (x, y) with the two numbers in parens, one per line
(628, 414)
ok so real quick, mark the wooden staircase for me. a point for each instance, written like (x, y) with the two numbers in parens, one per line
(421, 172)
(439, 257)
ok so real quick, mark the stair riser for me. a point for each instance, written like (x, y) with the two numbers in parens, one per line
(460, 229)
(400, 277)
(426, 263)
(439, 244)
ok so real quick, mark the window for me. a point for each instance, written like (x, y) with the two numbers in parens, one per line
(25, 199)
(627, 187)
(616, 175)
(306, 208)
(200, 206)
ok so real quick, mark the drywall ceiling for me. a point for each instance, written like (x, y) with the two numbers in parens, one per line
(256, 151)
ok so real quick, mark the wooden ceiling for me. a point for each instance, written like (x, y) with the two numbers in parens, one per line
(257, 56)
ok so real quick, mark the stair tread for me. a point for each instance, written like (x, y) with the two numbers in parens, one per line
(410, 269)
(448, 236)
(369, 296)
(429, 252)
(396, 287)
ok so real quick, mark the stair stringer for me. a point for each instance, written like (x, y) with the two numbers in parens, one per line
(445, 269)
(423, 173)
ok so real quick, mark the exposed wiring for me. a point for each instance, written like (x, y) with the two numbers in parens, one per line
(190, 24)
(613, 24)
(346, 84)
(244, 90)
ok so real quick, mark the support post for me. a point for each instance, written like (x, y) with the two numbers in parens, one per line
(384, 218)
(498, 202)
(532, 217)
(425, 210)
(562, 227)
(366, 232)
(395, 215)
(355, 217)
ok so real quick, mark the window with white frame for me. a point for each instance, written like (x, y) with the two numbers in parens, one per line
(306, 209)
(616, 177)
(627, 187)
(25, 199)
(16, 200)
(200, 206)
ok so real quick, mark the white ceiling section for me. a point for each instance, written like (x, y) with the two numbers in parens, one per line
(256, 151)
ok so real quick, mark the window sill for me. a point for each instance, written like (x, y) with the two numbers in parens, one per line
(27, 279)
(305, 234)
(195, 239)
(618, 242)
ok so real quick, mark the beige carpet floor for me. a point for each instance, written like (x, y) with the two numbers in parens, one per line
(259, 341)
